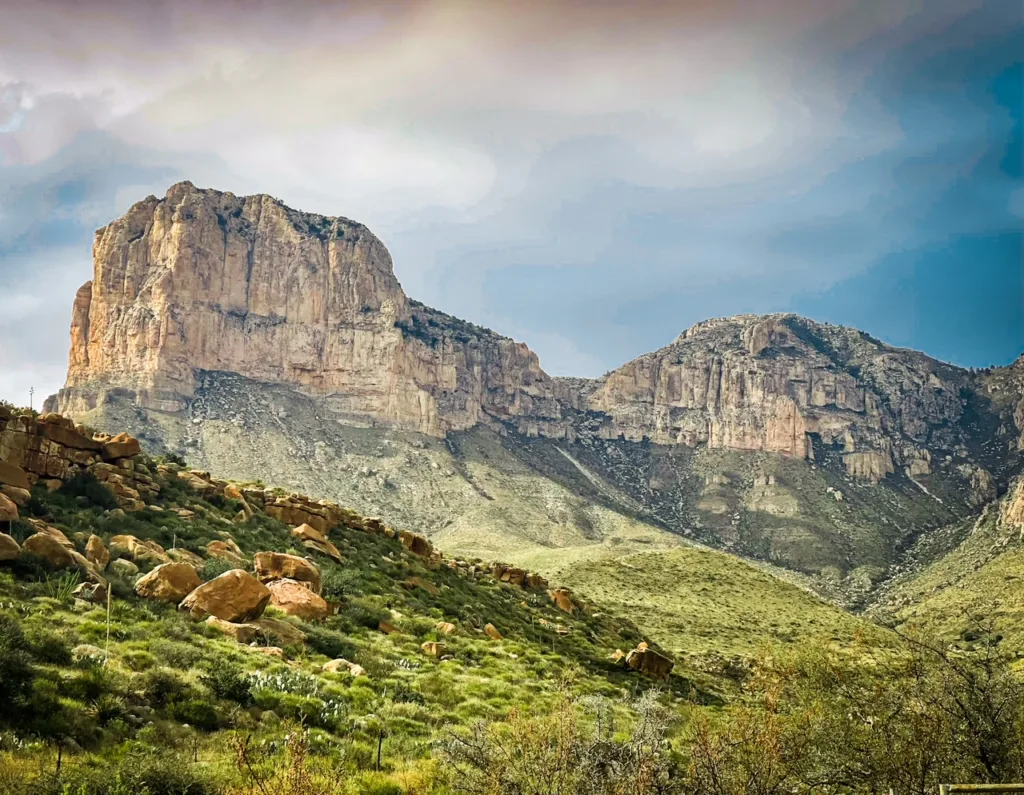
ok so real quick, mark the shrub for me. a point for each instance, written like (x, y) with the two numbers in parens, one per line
(214, 567)
(16, 672)
(228, 682)
(85, 484)
(198, 713)
(47, 646)
(329, 643)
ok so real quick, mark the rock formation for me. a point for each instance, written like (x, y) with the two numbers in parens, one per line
(202, 282)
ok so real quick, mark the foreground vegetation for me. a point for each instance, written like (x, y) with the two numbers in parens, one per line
(138, 699)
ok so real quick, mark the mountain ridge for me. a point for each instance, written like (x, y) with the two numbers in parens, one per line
(257, 340)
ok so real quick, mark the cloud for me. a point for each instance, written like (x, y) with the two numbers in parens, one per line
(590, 176)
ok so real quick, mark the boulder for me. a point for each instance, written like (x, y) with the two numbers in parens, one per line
(19, 497)
(339, 665)
(536, 582)
(179, 555)
(14, 476)
(491, 631)
(226, 550)
(648, 661)
(387, 627)
(91, 592)
(295, 599)
(50, 549)
(9, 549)
(243, 633)
(8, 510)
(279, 566)
(122, 567)
(121, 446)
(141, 552)
(234, 596)
(562, 597)
(446, 628)
(169, 582)
(433, 648)
(281, 631)
(96, 551)
(419, 582)
(416, 544)
(313, 539)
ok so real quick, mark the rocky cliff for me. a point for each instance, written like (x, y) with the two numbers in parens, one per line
(203, 281)
(260, 342)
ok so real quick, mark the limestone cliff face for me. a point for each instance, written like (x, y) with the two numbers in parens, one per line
(785, 385)
(207, 281)
(204, 282)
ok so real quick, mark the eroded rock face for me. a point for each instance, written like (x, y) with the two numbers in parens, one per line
(207, 281)
(234, 596)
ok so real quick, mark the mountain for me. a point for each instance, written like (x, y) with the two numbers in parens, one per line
(264, 343)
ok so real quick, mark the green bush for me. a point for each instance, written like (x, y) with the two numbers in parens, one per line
(228, 682)
(47, 646)
(85, 484)
(198, 713)
(329, 643)
(16, 672)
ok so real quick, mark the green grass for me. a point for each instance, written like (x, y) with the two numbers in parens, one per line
(702, 602)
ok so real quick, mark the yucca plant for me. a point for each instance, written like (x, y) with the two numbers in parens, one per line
(61, 588)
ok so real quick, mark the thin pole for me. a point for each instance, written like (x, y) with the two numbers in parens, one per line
(106, 650)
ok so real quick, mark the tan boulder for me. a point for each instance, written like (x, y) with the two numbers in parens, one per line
(50, 549)
(243, 633)
(121, 446)
(491, 631)
(8, 510)
(339, 665)
(179, 555)
(446, 628)
(234, 596)
(281, 631)
(295, 599)
(416, 544)
(648, 661)
(9, 549)
(97, 552)
(168, 582)
(226, 550)
(122, 567)
(433, 648)
(19, 497)
(144, 552)
(279, 566)
(617, 655)
(14, 476)
(387, 627)
(536, 582)
(314, 539)
(562, 597)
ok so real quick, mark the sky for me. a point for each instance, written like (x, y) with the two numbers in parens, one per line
(589, 177)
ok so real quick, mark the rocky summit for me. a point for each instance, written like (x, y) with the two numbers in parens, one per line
(261, 342)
